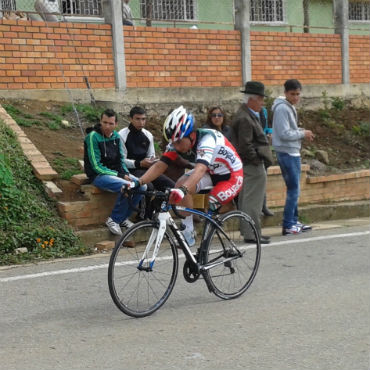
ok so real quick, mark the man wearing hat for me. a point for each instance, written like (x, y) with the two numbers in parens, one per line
(254, 150)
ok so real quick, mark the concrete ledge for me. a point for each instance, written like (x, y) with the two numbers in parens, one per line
(339, 176)
(323, 212)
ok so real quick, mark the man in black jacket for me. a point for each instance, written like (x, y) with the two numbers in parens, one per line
(105, 167)
(253, 148)
(139, 153)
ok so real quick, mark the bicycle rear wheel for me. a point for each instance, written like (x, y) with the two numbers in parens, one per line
(139, 290)
(235, 263)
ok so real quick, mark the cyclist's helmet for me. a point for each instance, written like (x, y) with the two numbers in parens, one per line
(178, 125)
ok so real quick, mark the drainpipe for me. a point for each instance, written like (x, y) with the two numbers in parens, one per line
(112, 12)
(341, 27)
(242, 24)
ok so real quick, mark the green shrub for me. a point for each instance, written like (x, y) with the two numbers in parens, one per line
(27, 217)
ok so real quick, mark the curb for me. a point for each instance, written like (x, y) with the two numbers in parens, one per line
(321, 215)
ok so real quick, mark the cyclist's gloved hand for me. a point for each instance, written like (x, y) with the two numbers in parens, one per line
(176, 195)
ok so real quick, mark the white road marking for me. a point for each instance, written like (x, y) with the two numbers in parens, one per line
(104, 266)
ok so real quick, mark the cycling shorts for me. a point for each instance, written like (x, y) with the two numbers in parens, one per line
(223, 188)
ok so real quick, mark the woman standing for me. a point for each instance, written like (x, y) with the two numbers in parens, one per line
(216, 120)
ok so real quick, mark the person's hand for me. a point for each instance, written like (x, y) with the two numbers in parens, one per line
(176, 196)
(147, 162)
(134, 184)
(308, 135)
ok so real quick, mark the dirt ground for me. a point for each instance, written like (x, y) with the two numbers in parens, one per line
(343, 134)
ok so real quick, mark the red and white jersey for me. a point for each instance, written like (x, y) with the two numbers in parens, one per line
(213, 150)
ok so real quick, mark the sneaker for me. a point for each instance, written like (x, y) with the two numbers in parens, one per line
(127, 223)
(295, 229)
(304, 227)
(113, 227)
(189, 237)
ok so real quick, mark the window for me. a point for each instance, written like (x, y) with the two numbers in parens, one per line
(81, 7)
(359, 10)
(266, 11)
(7, 5)
(168, 9)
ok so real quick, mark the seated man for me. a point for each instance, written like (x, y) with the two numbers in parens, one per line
(138, 150)
(218, 166)
(105, 167)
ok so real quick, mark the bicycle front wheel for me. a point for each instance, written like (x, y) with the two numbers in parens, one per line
(137, 287)
(232, 264)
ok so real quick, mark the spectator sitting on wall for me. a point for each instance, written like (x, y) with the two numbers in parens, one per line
(138, 149)
(126, 14)
(105, 167)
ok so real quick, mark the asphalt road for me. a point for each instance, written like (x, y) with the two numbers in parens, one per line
(308, 308)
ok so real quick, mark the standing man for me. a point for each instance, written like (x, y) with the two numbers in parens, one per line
(286, 139)
(105, 167)
(253, 148)
(126, 14)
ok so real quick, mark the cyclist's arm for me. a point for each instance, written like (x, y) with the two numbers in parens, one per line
(153, 172)
(197, 173)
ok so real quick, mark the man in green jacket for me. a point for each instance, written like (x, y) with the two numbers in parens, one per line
(106, 169)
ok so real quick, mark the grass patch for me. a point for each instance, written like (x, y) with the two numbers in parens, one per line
(66, 167)
(28, 218)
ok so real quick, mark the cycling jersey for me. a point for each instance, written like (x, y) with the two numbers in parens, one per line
(225, 168)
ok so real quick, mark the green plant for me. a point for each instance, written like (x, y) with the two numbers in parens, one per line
(361, 129)
(66, 167)
(28, 218)
(337, 103)
(89, 112)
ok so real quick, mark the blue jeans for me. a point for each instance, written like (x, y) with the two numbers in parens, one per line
(121, 209)
(291, 170)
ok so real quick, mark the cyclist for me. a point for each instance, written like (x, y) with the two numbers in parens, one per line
(218, 166)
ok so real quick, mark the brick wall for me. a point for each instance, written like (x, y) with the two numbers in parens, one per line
(175, 57)
(32, 56)
(359, 60)
(311, 58)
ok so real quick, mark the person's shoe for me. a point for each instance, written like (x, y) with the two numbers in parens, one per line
(127, 223)
(189, 237)
(304, 227)
(113, 227)
(295, 229)
(263, 239)
(267, 212)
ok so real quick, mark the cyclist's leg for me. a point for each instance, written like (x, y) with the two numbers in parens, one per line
(204, 183)
(224, 192)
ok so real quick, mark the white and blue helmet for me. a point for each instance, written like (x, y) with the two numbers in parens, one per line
(178, 125)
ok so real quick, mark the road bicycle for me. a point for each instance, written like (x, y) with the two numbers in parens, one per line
(144, 263)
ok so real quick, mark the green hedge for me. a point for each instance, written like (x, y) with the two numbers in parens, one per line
(28, 218)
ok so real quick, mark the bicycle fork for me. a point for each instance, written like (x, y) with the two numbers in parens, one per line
(156, 238)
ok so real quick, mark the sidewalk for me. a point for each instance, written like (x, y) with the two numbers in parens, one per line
(323, 225)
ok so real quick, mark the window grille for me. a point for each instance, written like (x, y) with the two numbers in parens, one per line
(7, 5)
(266, 11)
(168, 9)
(359, 10)
(81, 7)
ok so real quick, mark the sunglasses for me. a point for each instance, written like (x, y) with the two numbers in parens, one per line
(219, 115)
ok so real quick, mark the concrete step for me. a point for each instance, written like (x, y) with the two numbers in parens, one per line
(97, 238)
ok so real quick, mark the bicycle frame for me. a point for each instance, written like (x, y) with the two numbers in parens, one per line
(164, 219)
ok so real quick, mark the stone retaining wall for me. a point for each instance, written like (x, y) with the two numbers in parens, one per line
(97, 205)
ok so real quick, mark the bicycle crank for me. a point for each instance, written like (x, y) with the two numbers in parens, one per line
(191, 273)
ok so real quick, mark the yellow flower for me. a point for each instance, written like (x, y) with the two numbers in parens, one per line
(38, 240)
(42, 246)
(46, 242)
